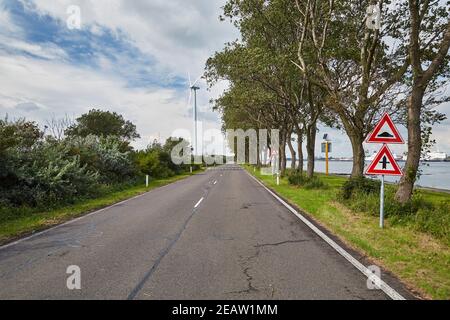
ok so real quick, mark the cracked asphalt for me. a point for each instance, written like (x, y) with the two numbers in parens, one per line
(238, 243)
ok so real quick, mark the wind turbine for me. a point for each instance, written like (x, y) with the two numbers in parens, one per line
(195, 88)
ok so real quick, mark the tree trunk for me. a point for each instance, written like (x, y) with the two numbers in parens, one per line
(292, 150)
(357, 140)
(406, 186)
(311, 133)
(300, 152)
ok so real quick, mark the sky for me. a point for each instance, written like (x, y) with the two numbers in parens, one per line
(131, 57)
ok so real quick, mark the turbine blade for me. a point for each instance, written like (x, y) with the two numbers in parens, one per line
(197, 81)
(190, 98)
(190, 81)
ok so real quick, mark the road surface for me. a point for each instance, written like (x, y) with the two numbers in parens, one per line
(216, 235)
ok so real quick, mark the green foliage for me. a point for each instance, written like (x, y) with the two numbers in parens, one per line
(20, 133)
(359, 185)
(298, 179)
(156, 161)
(435, 222)
(42, 172)
(419, 213)
(103, 155)
(103, 124)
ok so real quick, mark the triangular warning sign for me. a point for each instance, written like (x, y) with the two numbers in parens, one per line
(385, 132)
(384, 164)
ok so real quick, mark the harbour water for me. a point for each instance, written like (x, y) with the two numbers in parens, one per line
(433, 175)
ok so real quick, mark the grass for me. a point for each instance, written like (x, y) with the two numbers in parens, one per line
(30, 221)
(420, 260)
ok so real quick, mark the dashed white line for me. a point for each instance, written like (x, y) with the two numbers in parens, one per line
(199, 202)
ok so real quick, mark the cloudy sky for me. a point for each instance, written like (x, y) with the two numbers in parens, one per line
(132, 57)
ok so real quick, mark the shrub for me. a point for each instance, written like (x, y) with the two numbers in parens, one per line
(295, 178)
(153, 163)
(103, 155)
(298, 179)
(157, 162)
(435, 221)
(362, 201)
(315, 183)
(422, 215)
(359, 186)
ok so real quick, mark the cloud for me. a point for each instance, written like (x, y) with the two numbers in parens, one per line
(27, 107)
(131, 57)
(179, 34)
(49, 89)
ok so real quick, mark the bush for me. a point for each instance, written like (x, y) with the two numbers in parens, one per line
(360, 186)
(153, 164)
(295, 178)
(435, 221)
(103, 155)
(44, 176)
(422, 215)
(298, 179)
(157, 162)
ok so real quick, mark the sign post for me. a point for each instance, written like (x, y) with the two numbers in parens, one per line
(382, 203)
(384, 163)
(326, 148)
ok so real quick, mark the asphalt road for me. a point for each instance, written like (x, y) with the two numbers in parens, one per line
(236, 243)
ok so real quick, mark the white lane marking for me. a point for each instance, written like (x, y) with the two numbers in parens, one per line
(394, 295)
(198, 203)
(34, 235)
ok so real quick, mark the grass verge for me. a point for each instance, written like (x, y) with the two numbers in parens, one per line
(31, 221)
(417, 258)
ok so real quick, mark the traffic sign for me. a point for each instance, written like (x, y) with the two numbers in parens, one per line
(384, 164)
(385, 132)
(324, 147)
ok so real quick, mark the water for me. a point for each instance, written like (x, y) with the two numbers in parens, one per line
(434, 174)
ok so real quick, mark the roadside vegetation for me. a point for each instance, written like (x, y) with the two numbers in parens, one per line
(415, 245)
(50, 175)
(301, 65)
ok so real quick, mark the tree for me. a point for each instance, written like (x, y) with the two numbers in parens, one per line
(263, 59)
(354, 65)
(429, 43)
(102, 124)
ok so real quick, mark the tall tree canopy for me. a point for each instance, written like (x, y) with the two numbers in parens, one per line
(103, 124)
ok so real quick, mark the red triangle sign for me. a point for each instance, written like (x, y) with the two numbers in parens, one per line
(385, 132)
(384, 164)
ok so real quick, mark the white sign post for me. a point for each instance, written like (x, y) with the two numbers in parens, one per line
(382, 202)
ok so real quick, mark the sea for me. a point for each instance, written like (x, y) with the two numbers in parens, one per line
(433, 174)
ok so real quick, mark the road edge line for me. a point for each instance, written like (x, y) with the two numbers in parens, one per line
(388, 290)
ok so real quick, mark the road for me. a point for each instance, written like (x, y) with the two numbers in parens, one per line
(216, 235)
